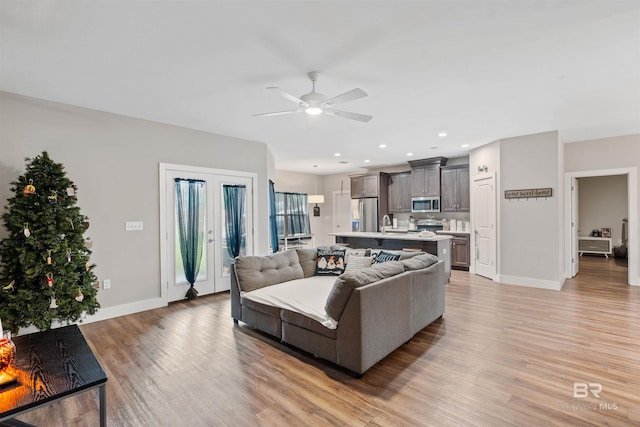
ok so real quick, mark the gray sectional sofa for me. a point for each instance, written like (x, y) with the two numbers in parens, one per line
(369, 311)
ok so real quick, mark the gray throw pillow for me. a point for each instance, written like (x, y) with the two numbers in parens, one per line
(420, 261)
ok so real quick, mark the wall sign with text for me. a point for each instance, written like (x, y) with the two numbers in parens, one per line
(528, 194)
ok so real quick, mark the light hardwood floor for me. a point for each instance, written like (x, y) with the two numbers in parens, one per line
(501, 356)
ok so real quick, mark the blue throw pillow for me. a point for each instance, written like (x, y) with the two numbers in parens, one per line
(385, 256)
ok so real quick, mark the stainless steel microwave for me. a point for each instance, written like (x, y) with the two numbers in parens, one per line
(425, 204)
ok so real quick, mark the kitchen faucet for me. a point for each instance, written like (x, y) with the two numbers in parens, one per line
(385, 221)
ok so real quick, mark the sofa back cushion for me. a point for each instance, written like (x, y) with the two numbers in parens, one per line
(308, 260)
(256, 272)
(417, 262)
(356, 278)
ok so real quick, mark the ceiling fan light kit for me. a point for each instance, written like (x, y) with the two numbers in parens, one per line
(314, 103)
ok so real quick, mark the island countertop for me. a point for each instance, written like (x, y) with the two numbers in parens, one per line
(391, 235)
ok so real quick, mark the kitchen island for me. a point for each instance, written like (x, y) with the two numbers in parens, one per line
(437, 245)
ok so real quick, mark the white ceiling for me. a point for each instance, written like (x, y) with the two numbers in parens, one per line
(479, 70)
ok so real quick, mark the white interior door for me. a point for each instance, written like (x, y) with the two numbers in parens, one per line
(575, 259)
(222, 256)
(341, 212)
(177, 282)
(484, 220)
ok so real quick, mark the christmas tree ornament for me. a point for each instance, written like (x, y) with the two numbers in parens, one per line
(87, 266)
(49, 256)
(54, 303)
(29, 188)
(71, 191)
(49, 279)
(9, 287)
(71, 222)
(53, 197)
(26, 231)
(88, 243)
(68, 255)
(80, 296)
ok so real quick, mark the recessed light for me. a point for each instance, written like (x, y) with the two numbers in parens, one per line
(336, 155)
(465, 145)
(434, 148)
(343, 162)
(315, 166)
(367, 160)
(442, 134)
(409, 154)
(382, 145)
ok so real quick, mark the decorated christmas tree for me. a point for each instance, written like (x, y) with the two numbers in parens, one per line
(45, 273)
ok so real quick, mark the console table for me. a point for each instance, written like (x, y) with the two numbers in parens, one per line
(50, 366)
(595, 245)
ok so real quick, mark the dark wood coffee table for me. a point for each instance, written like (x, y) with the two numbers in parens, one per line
(50, 366)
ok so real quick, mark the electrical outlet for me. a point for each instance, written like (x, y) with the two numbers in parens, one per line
(106, 284)
(133, 226)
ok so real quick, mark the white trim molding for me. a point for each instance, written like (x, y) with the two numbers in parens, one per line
(531, 283)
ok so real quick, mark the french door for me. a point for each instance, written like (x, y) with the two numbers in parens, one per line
(213, 275)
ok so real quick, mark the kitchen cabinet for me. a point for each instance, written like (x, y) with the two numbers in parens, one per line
(367, 185)
(425, 176)
(454, 194)
(400, 192)
(460, 253)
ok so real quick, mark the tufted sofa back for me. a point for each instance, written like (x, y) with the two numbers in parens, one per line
(256, 272)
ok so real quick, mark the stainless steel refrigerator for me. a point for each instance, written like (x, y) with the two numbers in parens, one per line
(364, 214)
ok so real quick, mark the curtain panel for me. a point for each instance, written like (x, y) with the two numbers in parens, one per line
(190, 211)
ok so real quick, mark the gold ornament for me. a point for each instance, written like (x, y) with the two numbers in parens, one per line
(29, 188)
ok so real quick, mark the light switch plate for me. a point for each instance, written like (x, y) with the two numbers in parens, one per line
(133, 226)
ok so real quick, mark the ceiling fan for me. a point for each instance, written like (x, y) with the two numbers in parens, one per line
(314, 103)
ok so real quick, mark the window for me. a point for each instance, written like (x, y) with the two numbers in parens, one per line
(292, 215)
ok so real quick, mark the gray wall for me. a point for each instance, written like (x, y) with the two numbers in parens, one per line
(114, 162)
(530, 230)
(610, 154)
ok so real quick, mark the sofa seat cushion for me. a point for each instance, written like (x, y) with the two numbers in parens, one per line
(305, 296)
(260, 307)
(356, 278)
(255, 272)
(307, 323)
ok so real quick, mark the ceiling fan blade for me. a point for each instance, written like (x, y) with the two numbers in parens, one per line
(348, 115)
(346, 97)
(286, 95)
(277, 113)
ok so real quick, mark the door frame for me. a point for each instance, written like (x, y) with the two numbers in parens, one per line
(632, 198)
(163, 169)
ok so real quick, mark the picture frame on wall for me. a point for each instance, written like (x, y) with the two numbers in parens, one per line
(606, 232)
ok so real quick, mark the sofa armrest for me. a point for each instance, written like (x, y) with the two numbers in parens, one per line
(376, 320)
(428, 290)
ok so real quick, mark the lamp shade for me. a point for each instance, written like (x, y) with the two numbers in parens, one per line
(315, 198)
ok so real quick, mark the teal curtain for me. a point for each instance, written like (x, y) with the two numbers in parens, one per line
(297, 213)
(273, 224)
(234, 200)
(190, 209)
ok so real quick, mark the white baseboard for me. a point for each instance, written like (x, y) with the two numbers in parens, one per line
(109, 313)
(531, 283)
